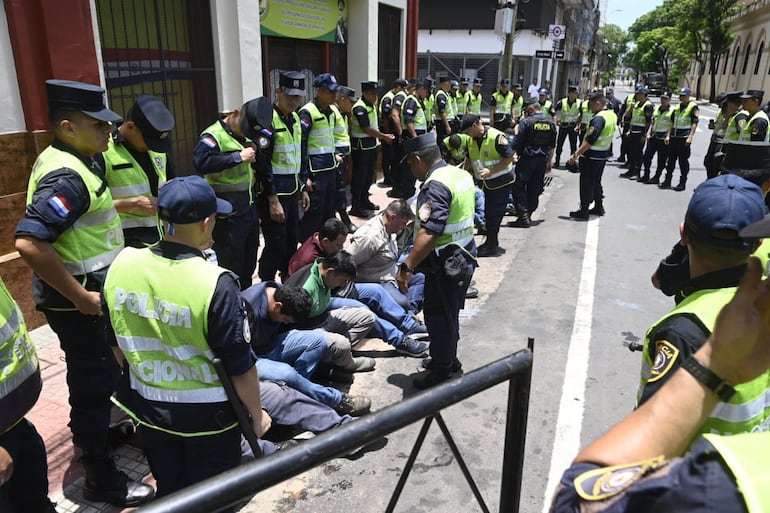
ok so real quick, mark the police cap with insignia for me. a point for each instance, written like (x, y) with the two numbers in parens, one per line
(477, 82)
(154, 120)
(753, 93)
(413, 82)
(454, 84)
(595, 95)
(465, 80)
(516, 86)
(326, 80)
(369, 85)
(665, 94)
(78, 96)
(720, 208)
(685, 91)
(740, 157)
(189, 199)
(256, 114)
(443, 79)
(292, 83)
(419, 143)
(543, 92)
(504, 82)
(609, 90)
(468, 121)
(572, 89)
(427, 83)
(402, 82)
(734, 97)
(347, 91)
(643, 89)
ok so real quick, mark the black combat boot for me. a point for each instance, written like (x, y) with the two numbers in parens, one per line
(598, 209)
(681, 185)
(522, 221)
(644, 176)
(105, 483)
(666, 183)
(581, 213)
(345, 218)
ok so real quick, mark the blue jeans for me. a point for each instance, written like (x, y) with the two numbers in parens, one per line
(412, 300)
(382, 328)
(479, 218)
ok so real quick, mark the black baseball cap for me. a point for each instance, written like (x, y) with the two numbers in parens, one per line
(79, 96)
(154, 120)
(189, 199)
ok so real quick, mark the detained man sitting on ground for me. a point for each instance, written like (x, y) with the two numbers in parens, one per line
(292, 356)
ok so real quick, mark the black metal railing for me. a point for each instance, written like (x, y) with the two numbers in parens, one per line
(232, 487)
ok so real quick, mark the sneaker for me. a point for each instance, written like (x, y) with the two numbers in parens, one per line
(418, 329)
(362, 364)
(353, 405)
(412, 347)
(471, 293)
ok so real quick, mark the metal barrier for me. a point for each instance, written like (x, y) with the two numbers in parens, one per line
(232, 487)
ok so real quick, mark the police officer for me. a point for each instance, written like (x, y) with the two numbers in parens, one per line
(546, 105)
(635, 131)
(592, 155)
(535, 147)
(365, 132)
(443, 249)
(414, 122)
(517, 104)
(500, 106)
(188, 427)
(718, 126)
(567, 112)
(319, 156)
(444, 108)
(398, 170)
(624, 118)
(23, 464)
(475, 98)
(388, 125)
(684, 122)
(738, 119)
(462, 96)
(612, 101)
(656, 140)
(346, 97)
(136, 166)
(491, 155)
(756, 129)
(585, 116)
(69, 235)
(284, 180)
(229, 154)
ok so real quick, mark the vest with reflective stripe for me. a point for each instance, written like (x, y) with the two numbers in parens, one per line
(96, 238)
(661, 122)
(749, 408)
(287, 151)
(233, 179)
(385, 96)
(458, 229)
(162, 327)
(638, 119)
(474, 103)
(450, 105)
(320, 140)
(719, 128)
(586, 115)
(604, 141)
(355, 128)
(487, 156)
(127, 179)
(420, 122)
(458, 153)
(570, 113)
(429, 106)
(517, 105)
(683, 120)
(746, 456)
(733, 132)
(746, 132)
(461, 102)
(503, 105)
(341, 134)
(18, 362)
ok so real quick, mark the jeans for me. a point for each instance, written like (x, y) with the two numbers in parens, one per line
(285, 373)
(479, 218)
(381, 303)
(415, 294)
(382, 328)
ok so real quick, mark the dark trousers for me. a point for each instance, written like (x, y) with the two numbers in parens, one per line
(388, 152)
(178, 462)
(530, 176)
(623, 146)
(280, 238)
(322, 200)
(591, 172)
(503, 124)
(711, 161)
(654, 146)
(363, 173)
(564, 133)
(27, 489)
(635, 150)
(678, 150)
(92, 373)
(236, 240)
(341, 197)
(443, 301)
(495, 201)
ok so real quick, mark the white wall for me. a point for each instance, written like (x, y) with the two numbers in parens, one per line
(479, 42)
(11, 113)
(237, 51)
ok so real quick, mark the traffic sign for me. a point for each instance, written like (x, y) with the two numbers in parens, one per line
(543, 54)
(557, 31)
(559, 55)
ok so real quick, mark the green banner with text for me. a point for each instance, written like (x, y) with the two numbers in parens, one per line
(320, 20)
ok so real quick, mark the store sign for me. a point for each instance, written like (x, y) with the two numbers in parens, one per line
(320, 20)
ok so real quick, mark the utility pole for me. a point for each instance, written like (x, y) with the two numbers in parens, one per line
(508, 48)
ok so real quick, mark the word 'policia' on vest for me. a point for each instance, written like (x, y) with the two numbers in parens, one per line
(162, 310)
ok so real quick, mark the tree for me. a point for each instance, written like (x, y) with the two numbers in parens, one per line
(612, 46)
(716, 33)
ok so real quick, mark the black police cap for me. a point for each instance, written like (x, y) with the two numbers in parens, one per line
(753, 93)
(154, 120)
(734, 96)
(368, 86)
(292, 83)
(85, 98)
(468, 121)
(256, 114)
(401, 82)
(419, 143)
(740, 156)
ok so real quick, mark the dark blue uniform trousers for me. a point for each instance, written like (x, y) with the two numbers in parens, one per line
(635, 150)
(363, 174)
(280, 238)
(495, 201)
(591, 171)
(678, 150)
(654, 146)
(236, 240)
(27, 489)
(322, 201)
(530, 176)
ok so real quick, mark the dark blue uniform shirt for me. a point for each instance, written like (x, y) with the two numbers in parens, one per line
(263, 329)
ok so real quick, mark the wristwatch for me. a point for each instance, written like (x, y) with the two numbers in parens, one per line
(405, 268)
(707, 377)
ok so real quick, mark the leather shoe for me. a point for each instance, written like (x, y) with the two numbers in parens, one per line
(522, 222)
(457, 366)
(125, 493)
(431, 379)
(490, 251)
(363, 214)
(394, 193)
(679, 187)
(579, 214)
(371, 206)
(597, 211)
(471, 293)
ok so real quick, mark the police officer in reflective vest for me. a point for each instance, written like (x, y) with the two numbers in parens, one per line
(546, 105)
(319, 156)
(443, 249)
(23, 465)
(684, 122)
(229, 155)
(445, 109)
(592, 155)
(475, 98)
(635, 131)
(567, 112)
(168, 336)
(656, 140)
(388, 125)
(737, 121)
(69, 235)
(500, 106)
(756, 129)
(491, 155)
(136, 166)
(718, 210)
(462, 97)
(365, 134)
(414, 122)
(346, 97)
(535, 147)
(517, 104)
(284, 181)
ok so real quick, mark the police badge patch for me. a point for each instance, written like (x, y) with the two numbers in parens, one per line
(159, 162)
(263, 142)
(502, 140)
(425, 211)
(602, 483)
(665, 356)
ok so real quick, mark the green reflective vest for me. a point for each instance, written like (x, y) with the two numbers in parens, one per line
(458, 154)
(746, 457)
(389, 95)
(96, 238)
(486, 156)
(748, 410)
(718, 135)
(458, 229)
(357, 133)
(586, 115)
(127, 179)
(661, 122)
(233, 179)
(341, 133)
(320, 139)
(569, 113)
(733, 132)
(517, 104)
(503, 105)
(638, 118)
(429, 106)
(461, 102)
(474, 103)
(287, 151)
(162, 328)
(683, 120)
(18, 362)
(746, 132)
(604, 141)
(420, 121)
(449, 110)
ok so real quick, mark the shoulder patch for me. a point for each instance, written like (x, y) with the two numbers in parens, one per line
(590, 130)
(741, 123)
(665, 356)
(263, 142)
(209, 141)
(424, 212)
(502, 140)
(246, 330)
(606, 482)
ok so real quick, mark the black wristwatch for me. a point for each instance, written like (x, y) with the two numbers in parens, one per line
(405, 268)
(707, 377)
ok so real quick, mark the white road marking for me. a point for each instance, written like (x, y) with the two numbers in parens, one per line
(571, 407)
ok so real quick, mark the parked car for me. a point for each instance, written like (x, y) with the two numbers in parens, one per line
(656, 83)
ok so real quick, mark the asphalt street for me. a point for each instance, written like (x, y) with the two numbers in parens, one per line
(580, 289)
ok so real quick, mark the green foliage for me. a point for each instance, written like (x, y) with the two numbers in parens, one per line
(612, 45)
